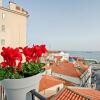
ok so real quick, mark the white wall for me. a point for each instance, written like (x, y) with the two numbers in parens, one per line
(67, 78)
(85, 76)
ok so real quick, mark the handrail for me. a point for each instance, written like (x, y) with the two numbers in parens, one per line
(34, 93)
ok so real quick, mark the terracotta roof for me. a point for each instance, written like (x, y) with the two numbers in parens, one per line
(48, 81)
(93, 94)
(66, 68)
(77, 94)
(67, 94)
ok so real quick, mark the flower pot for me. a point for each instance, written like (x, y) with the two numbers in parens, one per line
(16, 89)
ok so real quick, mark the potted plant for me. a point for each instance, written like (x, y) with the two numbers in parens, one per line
(20, 70)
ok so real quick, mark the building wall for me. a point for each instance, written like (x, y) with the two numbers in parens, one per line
(86, 78)
(0, 2)
(51, 91)
(67, 78)
(48, 71)
(13, 29)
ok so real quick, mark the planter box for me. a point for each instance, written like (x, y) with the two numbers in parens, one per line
(16, 89)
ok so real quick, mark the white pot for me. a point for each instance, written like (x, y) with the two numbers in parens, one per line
(16, 89)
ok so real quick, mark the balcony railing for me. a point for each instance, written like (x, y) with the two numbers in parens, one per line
(36, 94)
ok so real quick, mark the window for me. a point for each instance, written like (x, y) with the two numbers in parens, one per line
(3, 28)
(58, 89)
(2, 15)
(2, 42)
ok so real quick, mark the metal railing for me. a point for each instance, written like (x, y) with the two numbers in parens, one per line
(36, 94)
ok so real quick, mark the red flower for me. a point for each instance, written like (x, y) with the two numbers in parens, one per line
(19, 66)
(10, 56)
(32, 54)
(27, 51)
(39, 50)
(3, 64)
(43, 48)
(34, 58)
(28, 58)
(11, 63)
(39, 53)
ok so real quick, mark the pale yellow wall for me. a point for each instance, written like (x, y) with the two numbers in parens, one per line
(0, 2)
(15, 29)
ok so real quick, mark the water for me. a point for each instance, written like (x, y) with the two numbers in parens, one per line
(86, 55)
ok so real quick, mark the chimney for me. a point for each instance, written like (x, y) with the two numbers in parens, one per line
(1, 3)
(12, 5)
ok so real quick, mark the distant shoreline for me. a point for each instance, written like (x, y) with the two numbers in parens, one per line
(85, 54)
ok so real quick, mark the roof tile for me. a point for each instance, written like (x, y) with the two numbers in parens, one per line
(67, 94)
(48, 81)
(78, 94)
(66, 68)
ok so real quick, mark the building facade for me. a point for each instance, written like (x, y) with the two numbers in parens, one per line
(13, 25)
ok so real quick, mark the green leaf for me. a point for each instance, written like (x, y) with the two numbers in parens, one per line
(2, 74)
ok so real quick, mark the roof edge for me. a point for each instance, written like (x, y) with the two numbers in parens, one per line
(12, 11)
(87, 97)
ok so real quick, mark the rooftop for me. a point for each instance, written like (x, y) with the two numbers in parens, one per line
(93, 94)
(66, 68)
(14, 8)
(48, 81)
(78, 94)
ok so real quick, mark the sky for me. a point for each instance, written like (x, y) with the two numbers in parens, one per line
(71, 25)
